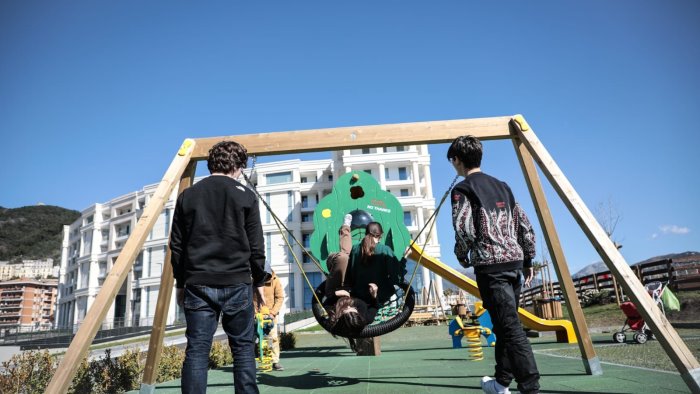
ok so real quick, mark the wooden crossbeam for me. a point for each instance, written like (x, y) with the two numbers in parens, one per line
(674, 346)
(318, 140)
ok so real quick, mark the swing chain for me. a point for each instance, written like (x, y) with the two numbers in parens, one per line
(431, 220)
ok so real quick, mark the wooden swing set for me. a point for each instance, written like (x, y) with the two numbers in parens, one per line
(528, 149)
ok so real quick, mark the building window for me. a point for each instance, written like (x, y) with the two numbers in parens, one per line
(330, 178)
(403, 174)
(290, 205)
(403, 192)
(290, 291)
(167, 222)
(407, 220)
(386, 174)
(365, 151)
(290, 255)
(306, 240)
(123, 230)
(279, 177)
(306, 217)
(267, 211)
(369, 171)
(304, 180)
(400, 148)
(138, 267)
(315, 278)
(268, 247)
(304, 201)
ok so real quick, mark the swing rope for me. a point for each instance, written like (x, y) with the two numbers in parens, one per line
(431, 220)
(279, 221)
(280, 224)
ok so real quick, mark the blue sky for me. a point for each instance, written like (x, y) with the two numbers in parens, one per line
(96, 97)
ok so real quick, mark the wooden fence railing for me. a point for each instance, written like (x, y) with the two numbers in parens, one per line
(680, 276)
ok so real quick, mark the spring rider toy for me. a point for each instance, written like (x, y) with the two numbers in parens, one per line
(480, 324)
(263, 325)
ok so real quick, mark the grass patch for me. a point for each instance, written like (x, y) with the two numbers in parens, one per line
(313, 328)
(611, 315)
(601, 315)
(649, 355)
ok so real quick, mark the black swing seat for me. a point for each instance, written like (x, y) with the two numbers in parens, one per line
(371, 330)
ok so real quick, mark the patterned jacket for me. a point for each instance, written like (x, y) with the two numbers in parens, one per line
(492, 232)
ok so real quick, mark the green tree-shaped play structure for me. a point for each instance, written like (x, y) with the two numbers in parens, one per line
(359, 194)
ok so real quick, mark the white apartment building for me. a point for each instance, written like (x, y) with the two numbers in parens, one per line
(292, 188)
(34, 269)
(91, 246)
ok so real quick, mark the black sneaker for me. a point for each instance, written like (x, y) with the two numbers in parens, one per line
(277, 367)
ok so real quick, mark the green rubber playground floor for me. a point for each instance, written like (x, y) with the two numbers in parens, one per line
(422, 360)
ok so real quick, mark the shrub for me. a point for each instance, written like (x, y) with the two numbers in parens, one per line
(82, 381)
(220, 355)
(27, 373)
(594, 297)
(109, 375)
(288, 340)
(127, 371)
(170, 366)
(30, 372)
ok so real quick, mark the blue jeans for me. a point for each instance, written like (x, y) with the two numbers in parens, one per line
(203, 305)
(500, 292)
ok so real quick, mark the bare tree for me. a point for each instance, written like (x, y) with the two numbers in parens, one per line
(609, 216)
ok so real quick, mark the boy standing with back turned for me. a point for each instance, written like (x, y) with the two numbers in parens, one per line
(493, 234)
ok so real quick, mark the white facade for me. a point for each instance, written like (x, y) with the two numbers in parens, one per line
(33, 269)
(91, 246)
(292, 188)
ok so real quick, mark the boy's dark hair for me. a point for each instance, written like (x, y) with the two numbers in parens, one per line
(468, 149)
(226, 157)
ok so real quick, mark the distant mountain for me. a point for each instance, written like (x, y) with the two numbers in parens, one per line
(601, 267)
(33, 232)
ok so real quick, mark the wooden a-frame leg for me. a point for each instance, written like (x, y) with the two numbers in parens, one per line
(588, 355)
(155, 344)
(62, 378)
(667, 336)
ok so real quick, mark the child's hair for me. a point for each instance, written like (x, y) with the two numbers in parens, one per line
(226, 157)
(352, 321)
(374, 229)
(468, 149)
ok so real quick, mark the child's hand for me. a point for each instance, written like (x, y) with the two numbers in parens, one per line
(342, 293)
(373, 290)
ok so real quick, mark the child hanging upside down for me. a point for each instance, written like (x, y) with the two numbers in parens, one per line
(374, 271)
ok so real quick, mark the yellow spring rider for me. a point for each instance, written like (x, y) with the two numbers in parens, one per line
(263, 324)
(472, 331)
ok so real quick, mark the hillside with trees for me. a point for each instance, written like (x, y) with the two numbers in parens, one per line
(33, 232)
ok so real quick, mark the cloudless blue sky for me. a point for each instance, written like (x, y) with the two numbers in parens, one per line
(96, 97)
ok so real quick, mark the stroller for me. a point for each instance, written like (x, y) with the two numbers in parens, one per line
(634, 322)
